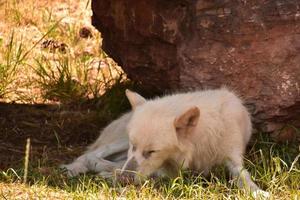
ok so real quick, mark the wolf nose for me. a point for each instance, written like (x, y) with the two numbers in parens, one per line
(127, 173)
(131, 165)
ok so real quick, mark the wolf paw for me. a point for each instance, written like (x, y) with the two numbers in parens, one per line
(74, 169)
(261, 194)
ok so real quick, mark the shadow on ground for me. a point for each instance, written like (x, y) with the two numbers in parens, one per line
(52, 130)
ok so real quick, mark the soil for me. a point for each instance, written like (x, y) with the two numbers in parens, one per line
(57, 134)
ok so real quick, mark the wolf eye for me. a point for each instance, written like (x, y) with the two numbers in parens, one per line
(147, 154)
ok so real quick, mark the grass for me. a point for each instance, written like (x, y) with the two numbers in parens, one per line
(44, 60)
(12, 57)
(275, 168)
(74, 80)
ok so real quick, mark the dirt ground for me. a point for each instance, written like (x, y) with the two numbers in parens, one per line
(57, 134)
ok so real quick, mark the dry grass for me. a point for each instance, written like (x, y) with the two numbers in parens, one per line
(44, 36)
(20, 191)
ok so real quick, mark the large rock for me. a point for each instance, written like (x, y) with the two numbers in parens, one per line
(250, 46)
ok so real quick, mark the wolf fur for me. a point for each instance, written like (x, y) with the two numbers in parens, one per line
(193, 130)
(107, 153)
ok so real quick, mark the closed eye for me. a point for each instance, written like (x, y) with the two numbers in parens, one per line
(147, 154)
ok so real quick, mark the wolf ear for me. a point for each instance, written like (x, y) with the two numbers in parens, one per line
(187, 121)
(134, 98)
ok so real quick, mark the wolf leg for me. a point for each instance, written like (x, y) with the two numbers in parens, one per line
(95, 160)
(77, 167)
(243, 178)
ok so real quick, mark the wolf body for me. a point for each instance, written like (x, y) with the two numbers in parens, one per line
(193, 130)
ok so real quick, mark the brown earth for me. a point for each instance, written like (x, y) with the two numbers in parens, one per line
(57, 134)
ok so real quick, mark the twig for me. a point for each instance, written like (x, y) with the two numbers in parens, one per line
(26, 160)
(4, 196)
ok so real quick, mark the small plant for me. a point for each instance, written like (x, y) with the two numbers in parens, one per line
(70, 79)
(57, 81)
(13, 57)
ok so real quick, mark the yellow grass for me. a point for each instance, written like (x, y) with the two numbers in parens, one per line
(33, 23)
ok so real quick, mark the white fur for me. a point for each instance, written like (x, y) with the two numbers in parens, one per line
(112, 140)
(219, 135)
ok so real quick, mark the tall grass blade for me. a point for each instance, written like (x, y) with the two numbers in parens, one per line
(27, 151)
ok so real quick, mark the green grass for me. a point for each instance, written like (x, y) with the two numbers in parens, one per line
(275, 167)
(12, 57)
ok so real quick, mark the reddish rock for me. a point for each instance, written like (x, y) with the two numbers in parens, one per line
(251, 46)
(286, 134)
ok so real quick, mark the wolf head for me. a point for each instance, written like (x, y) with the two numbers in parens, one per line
(156, 132)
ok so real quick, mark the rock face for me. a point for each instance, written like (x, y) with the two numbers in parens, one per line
(250, 46)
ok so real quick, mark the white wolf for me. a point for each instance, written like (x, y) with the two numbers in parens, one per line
(194, 130)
